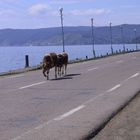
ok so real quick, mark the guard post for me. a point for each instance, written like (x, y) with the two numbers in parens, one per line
(26, 61)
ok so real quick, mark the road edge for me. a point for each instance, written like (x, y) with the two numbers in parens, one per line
(101, 126)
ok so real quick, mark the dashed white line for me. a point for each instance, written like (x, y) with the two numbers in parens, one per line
(56, 119)
(114, 88)
(16, 76)
(93, 69)
(134, 58)
(21, 136)
(135, 75)
(39, 83)
(69, 113)
(43, 125)
(94, 98)
(120, 61)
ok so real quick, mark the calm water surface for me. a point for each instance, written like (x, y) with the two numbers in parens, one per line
(12, 58)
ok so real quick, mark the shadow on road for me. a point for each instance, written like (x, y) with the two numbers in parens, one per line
(71, 75)
(67, 77)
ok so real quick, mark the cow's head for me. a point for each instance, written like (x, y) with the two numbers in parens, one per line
(46, 66)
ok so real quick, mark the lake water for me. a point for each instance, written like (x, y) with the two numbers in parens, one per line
(12, 58)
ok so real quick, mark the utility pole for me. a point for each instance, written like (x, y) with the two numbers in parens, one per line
(111, 37)
(61, 15)
(135, 31)
(122, 36)
(93, 49)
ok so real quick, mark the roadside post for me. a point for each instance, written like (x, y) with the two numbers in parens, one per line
(111, 37)
(26, 61)
(61, 15)
(93, 48)
(122, 36)
(135, 31)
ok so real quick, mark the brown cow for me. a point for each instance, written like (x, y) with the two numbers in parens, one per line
(62, 61)
(49, 61)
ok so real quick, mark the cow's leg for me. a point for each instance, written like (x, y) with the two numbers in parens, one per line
(48, 74)
(44, 70)
(55, 72)
(62, 69)
(65, 69)
(58, 69)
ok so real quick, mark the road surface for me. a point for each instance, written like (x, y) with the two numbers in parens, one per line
(71, 107)
(125, 125)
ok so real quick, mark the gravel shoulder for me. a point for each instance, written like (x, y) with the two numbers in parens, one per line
(125, 125)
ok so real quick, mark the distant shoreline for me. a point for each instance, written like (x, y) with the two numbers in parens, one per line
(67, 45)
(39, 67)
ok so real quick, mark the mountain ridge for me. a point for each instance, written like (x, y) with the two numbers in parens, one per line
(74, 35)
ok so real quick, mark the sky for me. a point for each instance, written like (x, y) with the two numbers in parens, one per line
(32, 14)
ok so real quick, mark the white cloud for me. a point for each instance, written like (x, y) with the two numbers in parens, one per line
(39, 9)
(8, 0)
(89, 12)
(54, 13)
(65, 2)
(7, 12)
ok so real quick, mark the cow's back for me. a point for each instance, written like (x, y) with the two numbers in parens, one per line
(59, 60)
(50, 60)
(65, 58)
(53, 58)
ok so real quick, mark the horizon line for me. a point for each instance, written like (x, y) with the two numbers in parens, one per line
(64, 27)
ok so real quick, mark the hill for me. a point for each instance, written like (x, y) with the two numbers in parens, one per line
(80, 35)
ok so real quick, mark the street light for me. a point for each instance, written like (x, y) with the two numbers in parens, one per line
(93, 49)
(122, 36)
(111, 37)
(135, 31)
(61, 15)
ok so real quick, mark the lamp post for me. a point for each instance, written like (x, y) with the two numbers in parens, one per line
(122, 36)
(93, 49)
(111, 37)
(135, 31)
(61, 15)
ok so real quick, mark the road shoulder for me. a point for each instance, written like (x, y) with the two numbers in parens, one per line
(125, 125)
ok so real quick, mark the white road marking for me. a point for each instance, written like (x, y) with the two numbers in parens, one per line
(114, 88)
(31, 131)
(69, 113)
(134, 58)
(93, 69)
(16, 76)
(43, 125)
(92, 99)
(133, 76)
(39, 83)
(21, 136)
(120, 61)
(73, 110)
(56, 119)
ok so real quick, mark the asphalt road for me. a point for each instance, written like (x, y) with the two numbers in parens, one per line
(71, 107)
(125, 125)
